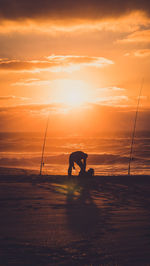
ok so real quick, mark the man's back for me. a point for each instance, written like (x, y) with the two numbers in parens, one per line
(78, 155)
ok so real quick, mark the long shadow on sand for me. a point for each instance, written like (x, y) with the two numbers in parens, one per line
(55, 220)
(111, 218)
(87, 219)
(83, 215)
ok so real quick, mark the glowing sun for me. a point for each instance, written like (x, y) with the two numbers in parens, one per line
(71, 92)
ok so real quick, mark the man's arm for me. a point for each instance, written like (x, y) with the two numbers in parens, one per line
(73, 165)
(84, 163)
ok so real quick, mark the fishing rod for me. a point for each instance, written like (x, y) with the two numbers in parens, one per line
(134, 128)
(43, 148)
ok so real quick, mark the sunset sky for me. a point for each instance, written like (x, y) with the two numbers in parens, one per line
(82, 61)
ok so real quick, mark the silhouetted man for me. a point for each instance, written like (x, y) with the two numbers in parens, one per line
(79, 158)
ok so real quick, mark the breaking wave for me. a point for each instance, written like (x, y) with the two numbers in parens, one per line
(106, 155)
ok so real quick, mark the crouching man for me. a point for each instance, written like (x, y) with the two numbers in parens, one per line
(79, 158)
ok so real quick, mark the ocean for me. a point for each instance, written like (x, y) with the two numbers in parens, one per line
(108, 152)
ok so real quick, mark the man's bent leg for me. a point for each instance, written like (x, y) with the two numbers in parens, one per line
(71, 164)
(81, 165)
(69, 170)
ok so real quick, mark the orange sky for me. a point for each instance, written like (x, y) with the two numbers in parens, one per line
(82, 63)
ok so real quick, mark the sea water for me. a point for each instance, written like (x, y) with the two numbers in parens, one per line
(108, 153)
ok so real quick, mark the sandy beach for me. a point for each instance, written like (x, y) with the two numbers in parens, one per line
(56, 220)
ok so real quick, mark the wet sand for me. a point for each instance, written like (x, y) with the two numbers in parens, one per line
(56, 220)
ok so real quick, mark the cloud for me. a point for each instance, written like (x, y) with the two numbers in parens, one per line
(142, 53)
(18, 65)
(111, 89)
(32, 82)
(82, 60)
(31, 107)
(126, 23)
(38, 110)
(141, 36)
(69, 9)
(117, 100)
(112, 96)
(12, 97)
(54, 63)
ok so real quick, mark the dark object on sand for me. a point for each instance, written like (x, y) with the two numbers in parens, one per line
(88, 173)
